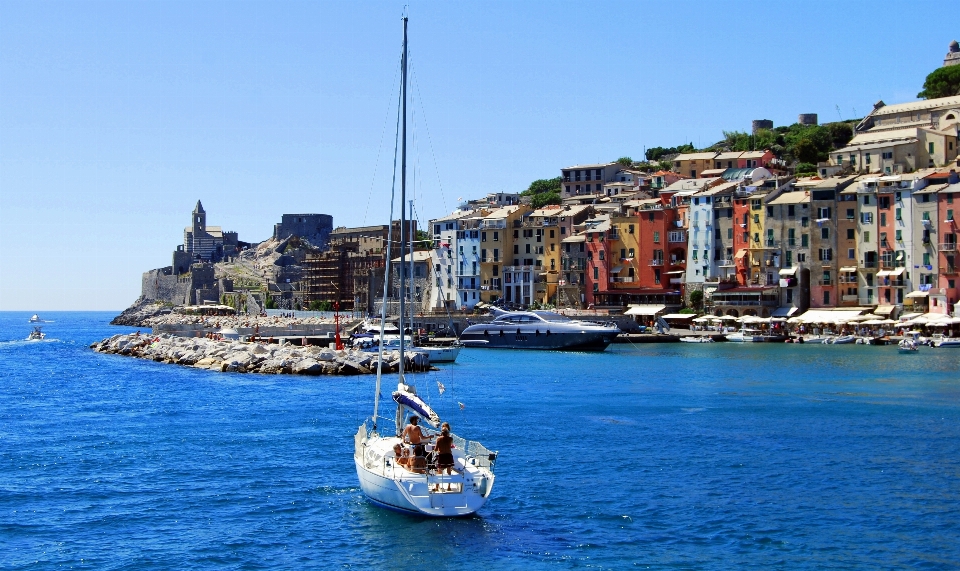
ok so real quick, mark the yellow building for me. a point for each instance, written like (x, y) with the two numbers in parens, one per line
(496, 248)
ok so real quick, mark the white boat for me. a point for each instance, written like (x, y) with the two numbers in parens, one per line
(816, 339)
(841, 340)
(36, 335)
(35, 319)
(384, 481)
(544, 330)
(908, 346)
(938, 340)
(746, 336)
(696, 339)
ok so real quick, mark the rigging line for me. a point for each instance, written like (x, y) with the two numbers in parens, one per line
(376, 166)
(426, 125)
(386, 269)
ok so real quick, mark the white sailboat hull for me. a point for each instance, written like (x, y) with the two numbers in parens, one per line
(440, 354)
(391, 486)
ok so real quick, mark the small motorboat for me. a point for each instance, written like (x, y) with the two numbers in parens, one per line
(908, 346)
(746, 336)
(939, 340)
(696, 339)
(35, 319)
(842, 340)
(36, 335)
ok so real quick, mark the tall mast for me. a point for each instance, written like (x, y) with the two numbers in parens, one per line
(413, 286)
(403, 190)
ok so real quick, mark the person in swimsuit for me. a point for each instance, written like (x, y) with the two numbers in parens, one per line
(402, 455)
(414, 435)
(444, 452)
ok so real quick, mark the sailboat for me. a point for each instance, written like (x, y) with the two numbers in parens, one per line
(385, 478)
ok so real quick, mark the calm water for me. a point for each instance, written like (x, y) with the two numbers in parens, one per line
(661, 456)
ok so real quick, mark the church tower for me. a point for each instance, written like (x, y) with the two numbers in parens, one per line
(199, 220)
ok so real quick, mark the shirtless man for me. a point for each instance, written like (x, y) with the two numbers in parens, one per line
(414, 435)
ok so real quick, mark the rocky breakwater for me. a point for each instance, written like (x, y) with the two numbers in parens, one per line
(240, 357)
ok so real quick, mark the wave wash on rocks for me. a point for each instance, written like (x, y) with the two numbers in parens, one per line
(241, 357)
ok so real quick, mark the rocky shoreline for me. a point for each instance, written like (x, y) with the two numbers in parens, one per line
(265, 358)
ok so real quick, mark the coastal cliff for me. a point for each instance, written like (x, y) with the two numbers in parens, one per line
(140, 311)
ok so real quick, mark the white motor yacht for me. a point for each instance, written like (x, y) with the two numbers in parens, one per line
(539, 330)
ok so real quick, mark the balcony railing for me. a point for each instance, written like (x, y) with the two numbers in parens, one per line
(948, 270)
(519, 268)
(494, 224)
(656, 262)
(868, 264)
(625, 280)
(771, 243)
(849, 298)
(948, 247)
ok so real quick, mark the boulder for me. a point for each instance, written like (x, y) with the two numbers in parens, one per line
(307, 367)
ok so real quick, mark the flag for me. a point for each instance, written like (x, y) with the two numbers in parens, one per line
(461, 405)
(441, 387)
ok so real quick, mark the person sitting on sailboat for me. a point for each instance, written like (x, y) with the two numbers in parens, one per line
(402, 455)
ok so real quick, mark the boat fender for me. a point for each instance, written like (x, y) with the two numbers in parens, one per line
(548, 332)
(537, 332)
(485, 332)
(501, 333)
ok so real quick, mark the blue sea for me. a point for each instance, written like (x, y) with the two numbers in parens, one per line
(672, 456)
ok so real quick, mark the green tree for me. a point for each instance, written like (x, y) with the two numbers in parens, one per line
(806, 151)
(696, 299)
(941, 82)
(840, 133)
(543, 185)
(545, 198)
(625, 161)
(806, 169)
(423, 240)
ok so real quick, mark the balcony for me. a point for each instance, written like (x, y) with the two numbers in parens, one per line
(825, 282)
(948, 247)
(520, 268)
(495, 224)
(626, 280)
(848, 298)
(868, 264)
(656, 262)
(948, 270)
(771, 243)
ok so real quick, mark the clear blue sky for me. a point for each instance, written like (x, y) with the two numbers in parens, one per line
(115, 117)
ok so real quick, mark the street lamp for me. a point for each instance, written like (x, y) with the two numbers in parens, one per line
(336, 319)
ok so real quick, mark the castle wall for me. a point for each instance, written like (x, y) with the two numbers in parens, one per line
(315, 228)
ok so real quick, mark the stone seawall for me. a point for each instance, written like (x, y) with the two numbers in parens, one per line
(239, 357)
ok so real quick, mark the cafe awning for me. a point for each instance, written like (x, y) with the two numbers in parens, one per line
(848, 269)
(789, 271)
(679, 316)
(884, 310)
(916, 294)
(784, 311)
(644, 309)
